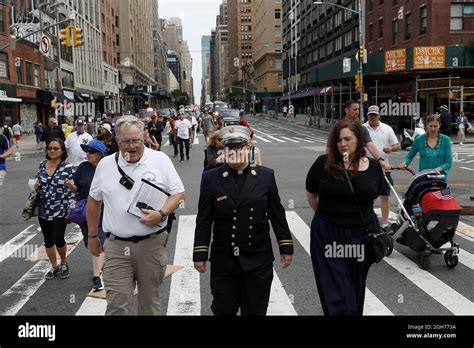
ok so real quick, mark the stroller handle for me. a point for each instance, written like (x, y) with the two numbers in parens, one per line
(411, 171)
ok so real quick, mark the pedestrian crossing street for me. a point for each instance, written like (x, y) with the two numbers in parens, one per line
(185, 285)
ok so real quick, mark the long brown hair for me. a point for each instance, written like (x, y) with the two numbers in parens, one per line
(334, 163)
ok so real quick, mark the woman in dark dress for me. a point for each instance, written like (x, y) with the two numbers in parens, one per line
(338, 243)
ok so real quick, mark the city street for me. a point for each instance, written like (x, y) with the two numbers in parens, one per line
(396, 286)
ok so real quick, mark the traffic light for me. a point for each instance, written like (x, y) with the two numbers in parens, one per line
(357, 78)
(65, 37)
(361, 53)
(78, 38)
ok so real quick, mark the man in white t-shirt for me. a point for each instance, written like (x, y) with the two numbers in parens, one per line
(386, 141)
(73, 144)
(17, 132)
(194, 124)
(183, 127)
(135, 248)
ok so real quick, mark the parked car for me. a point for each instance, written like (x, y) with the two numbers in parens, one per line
(230, 117)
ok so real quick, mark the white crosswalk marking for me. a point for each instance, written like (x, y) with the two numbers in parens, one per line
(184, 298)
(289, 139)
(438, 290)
(279, 303)
(92, 306)
(372, 305)
(31, 281)
(17, 242)
(262, 139)
(301, 139)
(271, 137)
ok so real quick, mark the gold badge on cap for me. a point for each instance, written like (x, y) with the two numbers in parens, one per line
(231, 130)
(225, 174)
(254, 173)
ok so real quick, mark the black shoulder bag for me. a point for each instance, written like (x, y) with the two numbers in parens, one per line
(128, 182)
(377, 243)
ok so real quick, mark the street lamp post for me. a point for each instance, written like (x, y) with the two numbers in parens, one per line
(361, 44)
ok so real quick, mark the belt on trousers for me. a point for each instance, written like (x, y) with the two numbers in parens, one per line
(135, 239)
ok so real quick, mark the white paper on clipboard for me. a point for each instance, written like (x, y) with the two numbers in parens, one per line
(149, 194)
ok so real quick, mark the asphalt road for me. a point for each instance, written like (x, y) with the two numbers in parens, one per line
(396, 286)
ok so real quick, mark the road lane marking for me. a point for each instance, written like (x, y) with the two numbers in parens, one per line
(262, 139)
(17, 242)
(305, 140)
(289, 139)
(21, 292)
(280, 303)
(92, 306)
(270, 136)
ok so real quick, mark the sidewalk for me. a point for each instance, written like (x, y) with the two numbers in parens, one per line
(27, 146)
(302, 121)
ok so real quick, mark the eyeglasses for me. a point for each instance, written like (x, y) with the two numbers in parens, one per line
(135, 142)
(92, 152)
(54, 148)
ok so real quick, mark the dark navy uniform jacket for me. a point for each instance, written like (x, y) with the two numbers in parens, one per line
(238, 220)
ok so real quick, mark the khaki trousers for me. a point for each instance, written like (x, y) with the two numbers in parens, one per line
(128, 264)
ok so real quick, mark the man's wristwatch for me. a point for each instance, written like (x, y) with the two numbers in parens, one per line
(380, 159)
(163, 215)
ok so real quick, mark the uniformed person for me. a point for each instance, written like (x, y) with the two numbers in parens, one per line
(236, 202)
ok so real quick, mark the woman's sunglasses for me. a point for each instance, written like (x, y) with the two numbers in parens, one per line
(92, 152)
(54, 148)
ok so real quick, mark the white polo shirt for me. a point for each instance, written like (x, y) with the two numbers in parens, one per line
(382, 136)
(73, 145)
(154, 166)
(183, 128)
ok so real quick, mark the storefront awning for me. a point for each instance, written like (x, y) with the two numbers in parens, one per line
(305, 94)
(10, 100)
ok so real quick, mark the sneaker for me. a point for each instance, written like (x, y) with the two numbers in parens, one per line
(187, 157)
(52, 273)
(64, 271)
(97, 284)
(182, 161)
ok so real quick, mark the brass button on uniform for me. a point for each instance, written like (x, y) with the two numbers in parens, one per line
(250, 244)
(251, 209)
(235, 219)
(233, 236)
(251, 218)
(234, 228)
(233, 244)
(250, 236)
(250, 227)
(235, 211)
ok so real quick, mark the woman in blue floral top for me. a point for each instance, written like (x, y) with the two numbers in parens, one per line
(54, 207)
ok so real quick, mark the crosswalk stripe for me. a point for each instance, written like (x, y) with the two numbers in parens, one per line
(271, 137)
(262, 139)
(17, 242)
(289, 139)
(92, 306)
(373, 306)
(167, 143)
(185, 299)
(438, 290)
(279, 303)
(465, 257)
(21, 292)
(305, 140)
(463, 229)
(302, 233)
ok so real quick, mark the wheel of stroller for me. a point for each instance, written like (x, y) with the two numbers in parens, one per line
(450, 259)
(389, 247)
(423, 261)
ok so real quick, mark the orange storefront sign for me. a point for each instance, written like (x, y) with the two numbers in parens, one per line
(395, 60)
(431, 57)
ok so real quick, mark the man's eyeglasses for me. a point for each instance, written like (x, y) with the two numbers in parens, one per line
(135, 142)
(54, 148)
(92, 152)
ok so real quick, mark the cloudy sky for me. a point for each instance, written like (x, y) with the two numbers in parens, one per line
(198, 18)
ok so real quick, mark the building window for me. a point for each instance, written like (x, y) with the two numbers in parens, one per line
(408, 26)
(394, 2)
(3, 65)
(19, 71)
(423, 20)
(371, 32)
(394, 32)
(348, 39)
(280, 79)
(338, 44)
(279, 64)
(3, 24)
(278, 30)
(278, 47)
(37, 75)
(380, 27)
(277, 14)
(28, 74)
(371, 5)
(68, 79)
(329, 48)
(456, 17)
(338, 19)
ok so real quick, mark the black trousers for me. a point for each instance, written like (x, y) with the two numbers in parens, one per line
(249, 291)
(53, 232)
(181, 151)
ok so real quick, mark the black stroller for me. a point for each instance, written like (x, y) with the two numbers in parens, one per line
(428, 218)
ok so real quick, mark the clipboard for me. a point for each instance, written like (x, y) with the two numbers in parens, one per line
(148, 195)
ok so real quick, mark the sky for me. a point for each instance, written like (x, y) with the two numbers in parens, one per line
(198, 18)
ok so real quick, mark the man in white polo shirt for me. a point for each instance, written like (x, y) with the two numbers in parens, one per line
(135, 248)
(183, 127)
(76, 154)
(386, 142)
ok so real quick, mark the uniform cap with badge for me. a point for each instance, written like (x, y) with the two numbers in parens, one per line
(235, 135)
